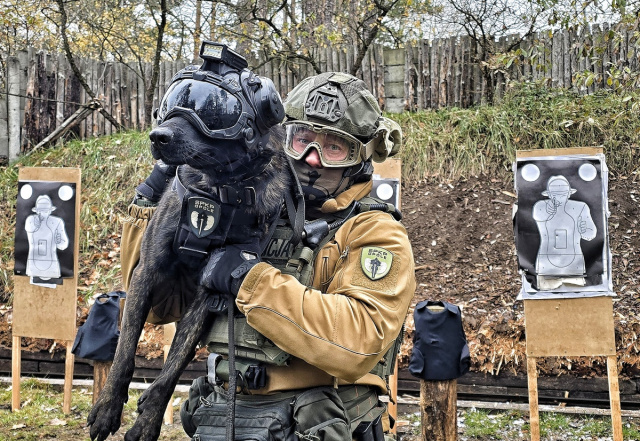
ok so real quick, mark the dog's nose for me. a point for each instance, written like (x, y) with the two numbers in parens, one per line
(161, 135)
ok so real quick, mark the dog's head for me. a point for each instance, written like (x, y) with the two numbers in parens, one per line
(216, 117)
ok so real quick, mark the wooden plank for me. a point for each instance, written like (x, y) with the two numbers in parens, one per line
(408, 83)
(451, 49)
(442, 74)
(557, 68)
(614, 394)
(68, 379)
(13, 106)
(478, 79)
(366, 71)
(426, 73)
(342, 58)
(569, 327)
(60, 89)
(15, 372)
(534, 416)
(595, 66)
(435, 62)
(606, 55)
(133, 94)
(378, 78)
(116, 91)
(458, 63)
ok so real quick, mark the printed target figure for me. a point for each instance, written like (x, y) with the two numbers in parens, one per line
(46, 236)
(562, 224)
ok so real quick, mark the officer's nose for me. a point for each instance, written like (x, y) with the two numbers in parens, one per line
(313, 158)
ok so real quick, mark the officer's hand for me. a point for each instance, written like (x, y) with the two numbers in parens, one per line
(228, 266)
(153, 187)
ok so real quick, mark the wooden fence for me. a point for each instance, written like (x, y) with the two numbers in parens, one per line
(41, 90)
(446, 72)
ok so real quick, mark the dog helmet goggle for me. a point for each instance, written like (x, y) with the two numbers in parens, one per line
(217, 107)
(335, 147)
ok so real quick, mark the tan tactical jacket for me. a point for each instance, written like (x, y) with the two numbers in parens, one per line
(340, 327)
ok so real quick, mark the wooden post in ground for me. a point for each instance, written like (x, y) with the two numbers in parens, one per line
(100, 373)
(101, 368)
(169, 331)
(534, 417)
(16, 364)
(68, 379)
(614, 397)
(438, 406)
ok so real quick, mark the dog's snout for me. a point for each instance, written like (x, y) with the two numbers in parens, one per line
(161, 135)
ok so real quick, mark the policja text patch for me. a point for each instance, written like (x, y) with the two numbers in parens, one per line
(376, 262)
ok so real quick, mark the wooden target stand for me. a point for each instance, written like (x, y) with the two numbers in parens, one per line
(41, 312)
(580, 327)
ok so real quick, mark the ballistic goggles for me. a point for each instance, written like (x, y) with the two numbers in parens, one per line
(335, 147)
(217, 107)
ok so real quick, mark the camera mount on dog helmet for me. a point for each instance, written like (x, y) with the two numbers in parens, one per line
(223, 99)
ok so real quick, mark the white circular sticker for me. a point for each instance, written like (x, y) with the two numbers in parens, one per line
(587, 172)
(26, 191)
(384, 191)
(530, 172)
(65, 192)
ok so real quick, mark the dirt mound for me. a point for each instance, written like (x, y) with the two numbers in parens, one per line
(462, 240)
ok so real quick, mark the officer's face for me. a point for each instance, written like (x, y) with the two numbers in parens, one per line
(331, 147)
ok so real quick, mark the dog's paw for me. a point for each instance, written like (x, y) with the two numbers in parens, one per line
(146, 428)
(105, 417)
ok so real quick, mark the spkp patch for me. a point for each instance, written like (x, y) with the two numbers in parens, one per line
(376, 262)
(204, 215)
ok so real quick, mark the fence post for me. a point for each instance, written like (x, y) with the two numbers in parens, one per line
(13, 107)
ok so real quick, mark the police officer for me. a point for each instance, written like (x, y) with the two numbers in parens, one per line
(334, 313)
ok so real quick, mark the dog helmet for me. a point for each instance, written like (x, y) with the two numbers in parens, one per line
(222, 98)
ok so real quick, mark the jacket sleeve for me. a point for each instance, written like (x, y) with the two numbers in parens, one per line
(346, 330)
(133, 229)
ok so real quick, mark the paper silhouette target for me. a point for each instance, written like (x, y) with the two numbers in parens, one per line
(560, 226)
(43, 244)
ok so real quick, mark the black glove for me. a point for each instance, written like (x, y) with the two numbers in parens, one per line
(153, 187)
(228, 266)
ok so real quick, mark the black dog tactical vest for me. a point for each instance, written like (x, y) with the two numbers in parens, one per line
(440, 350)
(251, 347)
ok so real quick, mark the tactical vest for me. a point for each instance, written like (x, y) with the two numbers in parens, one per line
(251, 347)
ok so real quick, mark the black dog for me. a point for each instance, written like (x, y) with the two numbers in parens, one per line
(208, 169)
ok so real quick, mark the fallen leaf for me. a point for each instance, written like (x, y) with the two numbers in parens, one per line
(57, 422)
(18, 426)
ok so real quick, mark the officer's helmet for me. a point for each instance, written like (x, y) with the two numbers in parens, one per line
(336, 114)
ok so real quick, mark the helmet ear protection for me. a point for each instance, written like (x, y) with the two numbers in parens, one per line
(261, 93)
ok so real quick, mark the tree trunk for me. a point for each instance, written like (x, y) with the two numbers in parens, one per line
(197, 32)
(155, 73)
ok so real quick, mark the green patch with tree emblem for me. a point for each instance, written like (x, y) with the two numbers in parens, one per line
(376, 262)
